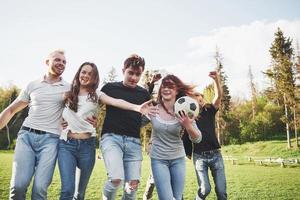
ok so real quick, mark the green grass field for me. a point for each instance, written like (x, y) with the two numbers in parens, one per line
(244, 180)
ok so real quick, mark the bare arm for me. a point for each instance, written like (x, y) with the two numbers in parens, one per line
(10, 111)
(155, 78)
(217, 89)
(193, 131)
(145, 108)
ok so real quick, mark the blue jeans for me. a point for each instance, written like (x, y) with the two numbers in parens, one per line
(34, 155)
(122, 157)
(169, 177)
(71, 154)
(213, 161)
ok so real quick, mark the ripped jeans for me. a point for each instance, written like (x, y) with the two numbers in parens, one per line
(122, 157)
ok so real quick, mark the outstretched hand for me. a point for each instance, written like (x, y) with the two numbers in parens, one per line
(148, 108)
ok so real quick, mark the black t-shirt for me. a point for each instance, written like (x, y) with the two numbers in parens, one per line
(119, 121)
(206, 124)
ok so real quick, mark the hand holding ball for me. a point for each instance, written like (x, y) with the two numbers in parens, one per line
(187, 104)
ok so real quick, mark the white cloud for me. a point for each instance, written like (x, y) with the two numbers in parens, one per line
(240, 47)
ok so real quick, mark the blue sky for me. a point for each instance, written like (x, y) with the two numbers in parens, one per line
(177, 36)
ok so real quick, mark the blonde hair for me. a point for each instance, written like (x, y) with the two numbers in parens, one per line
(58, 51)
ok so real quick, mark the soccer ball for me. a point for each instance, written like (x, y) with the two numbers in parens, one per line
(187, 104)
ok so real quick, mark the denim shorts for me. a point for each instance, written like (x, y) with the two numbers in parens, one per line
(122, 156)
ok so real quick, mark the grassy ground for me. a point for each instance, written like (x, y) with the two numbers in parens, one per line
(274, 148)
(244, 180)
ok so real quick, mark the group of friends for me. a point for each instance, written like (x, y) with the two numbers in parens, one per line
(61, 126)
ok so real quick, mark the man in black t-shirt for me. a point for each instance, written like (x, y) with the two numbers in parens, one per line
(120, 142)
(207, 154)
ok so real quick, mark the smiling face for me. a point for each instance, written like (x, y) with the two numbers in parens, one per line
(168, 90)
(56, 62)
(86, 76)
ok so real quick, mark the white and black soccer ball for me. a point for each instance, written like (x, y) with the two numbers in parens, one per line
(187, 104)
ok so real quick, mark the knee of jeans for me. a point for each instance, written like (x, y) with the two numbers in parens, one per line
(113, 184)
(18, 187)
(40, 188)
(206, 190)
(67, 192)
(221, 193)
(131, 186)
(116, 182)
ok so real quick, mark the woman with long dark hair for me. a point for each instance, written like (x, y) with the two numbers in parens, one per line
(77, 144)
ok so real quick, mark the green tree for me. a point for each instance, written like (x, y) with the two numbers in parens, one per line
(253, 92)
(222, 115)
(265, 125)
(282, 76)
(7, 96)
(111, 76)
(209, 93)
(296, 107)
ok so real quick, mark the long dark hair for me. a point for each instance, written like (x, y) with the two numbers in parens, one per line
(71, 99)
(182, 88)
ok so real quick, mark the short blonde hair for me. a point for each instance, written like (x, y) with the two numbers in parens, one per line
(58, 51)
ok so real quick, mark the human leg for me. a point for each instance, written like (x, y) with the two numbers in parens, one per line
(23, 166)
(46, 155)
(150, 185)
(86, 162)
(162, 178)
(132, 166)
(201, 167)
(67, 162)
(177, 172)
(113, 158)
(218, 173)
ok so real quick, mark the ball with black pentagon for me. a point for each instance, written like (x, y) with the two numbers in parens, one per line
(187, 104)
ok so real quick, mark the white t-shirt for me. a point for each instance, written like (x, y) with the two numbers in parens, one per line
(45, 104)
(77, 120)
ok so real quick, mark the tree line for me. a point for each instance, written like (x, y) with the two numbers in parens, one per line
(269, 114)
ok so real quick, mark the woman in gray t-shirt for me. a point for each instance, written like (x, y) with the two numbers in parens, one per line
(167, 152)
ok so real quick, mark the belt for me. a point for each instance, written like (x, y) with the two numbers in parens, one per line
(36, 131)
(210, 152)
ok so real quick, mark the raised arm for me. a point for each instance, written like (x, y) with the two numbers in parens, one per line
(154, 79)
(217, 88)
(10, 111)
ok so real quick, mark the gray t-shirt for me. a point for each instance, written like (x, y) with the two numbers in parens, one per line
(45, 104)
(166, 139)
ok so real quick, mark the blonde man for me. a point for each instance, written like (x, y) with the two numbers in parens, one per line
(36, 147)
